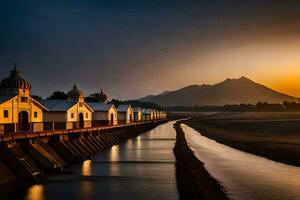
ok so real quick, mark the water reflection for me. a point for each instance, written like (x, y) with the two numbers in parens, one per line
(132, 170)
(35, 192)
(139, 147)
(114, 153)
(243, 175)
(86, 188)
(86, 168)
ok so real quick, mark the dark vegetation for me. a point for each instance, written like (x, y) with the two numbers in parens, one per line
(116, 102)
(259, 107)
(274, 138)
(136, 103)
(58, 95)
(193, 181)
(93, 97)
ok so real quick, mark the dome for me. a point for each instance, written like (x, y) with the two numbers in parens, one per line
(15, 81)
(75, 93)
(103, 98)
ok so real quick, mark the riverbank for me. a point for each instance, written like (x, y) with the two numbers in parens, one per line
(193, 181)
(276, 138)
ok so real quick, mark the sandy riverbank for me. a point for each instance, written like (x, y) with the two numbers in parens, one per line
(271, 137)
(193, 181)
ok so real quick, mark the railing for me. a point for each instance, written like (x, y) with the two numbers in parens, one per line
(15, 127)
(56, 126)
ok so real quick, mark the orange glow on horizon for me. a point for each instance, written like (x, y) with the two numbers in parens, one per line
(286, 84)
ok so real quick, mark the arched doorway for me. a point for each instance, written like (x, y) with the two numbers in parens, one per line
(81, 120)
(23, 121)
(111, 119)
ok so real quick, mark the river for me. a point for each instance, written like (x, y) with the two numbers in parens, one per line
(141, 168)
(245, 176)
(144, 168)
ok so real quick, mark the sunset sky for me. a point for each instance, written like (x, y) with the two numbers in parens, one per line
(135, 48)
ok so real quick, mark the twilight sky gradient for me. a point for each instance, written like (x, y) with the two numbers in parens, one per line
(135, 48)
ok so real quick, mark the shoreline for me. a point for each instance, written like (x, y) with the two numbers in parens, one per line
(193, 180)
(279, 147)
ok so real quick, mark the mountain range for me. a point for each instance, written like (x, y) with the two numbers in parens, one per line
(230, 91)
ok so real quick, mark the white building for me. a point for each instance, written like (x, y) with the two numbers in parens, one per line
(68, 113)
(137, 111)
(125, 114)
(147, 114)
(104, 114)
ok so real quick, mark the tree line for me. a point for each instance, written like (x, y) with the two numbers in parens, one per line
(116, 102)
(260, 106)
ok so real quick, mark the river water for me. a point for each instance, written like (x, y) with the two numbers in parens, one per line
(144, 168)
(245, 176)
(141, 168)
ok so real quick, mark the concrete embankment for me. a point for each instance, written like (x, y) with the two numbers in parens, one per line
(5, 174)
(32, 159)
(193, 181)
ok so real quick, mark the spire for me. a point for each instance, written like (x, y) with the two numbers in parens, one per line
(102, 97)
(15, 72)
(74, 86)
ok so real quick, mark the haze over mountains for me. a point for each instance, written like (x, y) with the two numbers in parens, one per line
(230, 91)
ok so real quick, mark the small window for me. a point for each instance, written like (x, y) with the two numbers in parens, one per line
(35, 114)
(5, 113)
(72, 115)
(81, 105)
(24, 99)
(86, 115)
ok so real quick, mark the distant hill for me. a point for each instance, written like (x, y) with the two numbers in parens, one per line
(230, 91)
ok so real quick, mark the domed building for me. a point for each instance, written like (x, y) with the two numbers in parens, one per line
(75, 94)
(103, 98)
(69, 113)
(15, 84)
(18, 110)
(98, 97)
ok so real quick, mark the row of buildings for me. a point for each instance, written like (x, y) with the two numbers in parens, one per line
(20, 112)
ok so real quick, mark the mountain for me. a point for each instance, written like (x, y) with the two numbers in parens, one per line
(165, 92)
(230, 91)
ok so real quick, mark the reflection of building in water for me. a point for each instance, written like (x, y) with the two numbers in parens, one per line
(86, 187)
(86, 168)
(114, 155)
(138, 148)
(36, 192)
